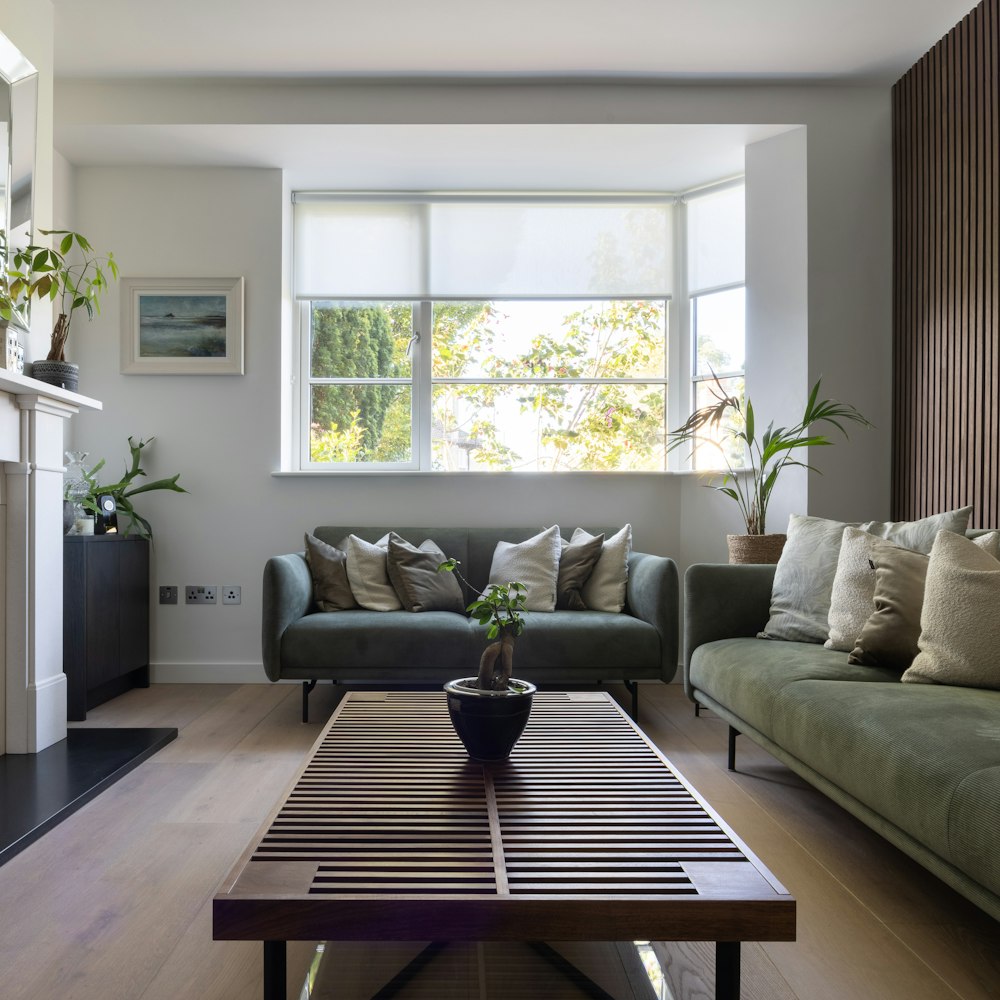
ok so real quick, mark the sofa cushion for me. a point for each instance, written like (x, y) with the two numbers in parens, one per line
(392, 646)
(576, 562)
(923, 757)
(533, 562)
(367, 569)
(328, 569)
(416, 580)
(606, 587)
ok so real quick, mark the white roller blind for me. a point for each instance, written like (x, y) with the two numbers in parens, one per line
(716, 238)
(452, 248)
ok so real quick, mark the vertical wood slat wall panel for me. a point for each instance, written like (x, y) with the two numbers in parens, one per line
(946, 314)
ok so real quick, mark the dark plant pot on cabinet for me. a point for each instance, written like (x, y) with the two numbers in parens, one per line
(489, 722)
(64, 374)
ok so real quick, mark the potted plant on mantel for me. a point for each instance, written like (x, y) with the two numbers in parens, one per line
(489, 711)
(751, 483)
(76, 278)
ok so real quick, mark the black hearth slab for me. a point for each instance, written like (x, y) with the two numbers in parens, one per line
(39, 790)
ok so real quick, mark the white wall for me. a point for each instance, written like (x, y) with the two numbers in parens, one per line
(222, 433)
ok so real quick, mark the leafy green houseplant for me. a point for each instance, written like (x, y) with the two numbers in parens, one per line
(74, 275)
(13, 300)
(125, 489)
(732, 426)
(489, 711)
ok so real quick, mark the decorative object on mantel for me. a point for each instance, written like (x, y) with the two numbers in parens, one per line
(489, 711)
(121, 493)
(732, 428)
(182, 326)
(76, 280)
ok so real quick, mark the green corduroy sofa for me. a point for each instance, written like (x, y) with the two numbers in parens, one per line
(398, 648)
(918, 763)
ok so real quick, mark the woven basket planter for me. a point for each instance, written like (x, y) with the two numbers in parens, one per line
(755, 548)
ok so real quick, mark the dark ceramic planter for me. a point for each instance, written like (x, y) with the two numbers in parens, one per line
(64, 374)
(489, 723)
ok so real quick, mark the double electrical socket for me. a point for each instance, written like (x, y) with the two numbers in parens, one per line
(199, 595)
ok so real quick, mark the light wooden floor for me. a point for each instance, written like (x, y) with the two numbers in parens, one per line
(115, 903)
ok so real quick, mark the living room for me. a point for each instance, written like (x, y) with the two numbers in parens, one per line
(179, 146)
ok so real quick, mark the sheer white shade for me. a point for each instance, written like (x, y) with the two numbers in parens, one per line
(497, 247)
(716, 238)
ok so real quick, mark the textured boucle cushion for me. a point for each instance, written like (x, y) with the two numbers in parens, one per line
(803, 578)
(853, 591)
(328, 569)
(960, 620)
(576, 562)
(414, 574)
(533, 562)
(606, 587)
(367, 569)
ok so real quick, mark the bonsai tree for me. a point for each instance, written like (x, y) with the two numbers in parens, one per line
(499, 608)
(731, 422)
(124, 490)
(77, 280)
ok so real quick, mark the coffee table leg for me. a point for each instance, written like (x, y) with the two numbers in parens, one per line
(275, 970)
(727, 970)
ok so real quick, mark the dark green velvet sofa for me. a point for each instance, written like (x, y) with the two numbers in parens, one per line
(400, 648)
(918, 763)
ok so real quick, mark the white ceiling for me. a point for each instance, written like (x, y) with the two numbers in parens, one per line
(857, 39)
(117, 41)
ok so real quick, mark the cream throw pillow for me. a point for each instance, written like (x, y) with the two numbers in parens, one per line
(605, 588)
(535, 563)
(803, 578)
(960, 621)
(852, 596)
(367, 570)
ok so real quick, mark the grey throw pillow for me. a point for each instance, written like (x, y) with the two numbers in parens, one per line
(328, 568)
(414, 574)
(606, 588)
(576, 562)
(535, 563)
(369, 575)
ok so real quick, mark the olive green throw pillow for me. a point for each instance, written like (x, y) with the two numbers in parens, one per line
(415, 578)
(328, 569)
(889, 637)
(960, 621)
(576, 562)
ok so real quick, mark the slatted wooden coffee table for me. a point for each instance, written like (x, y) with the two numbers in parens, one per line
(391, 833)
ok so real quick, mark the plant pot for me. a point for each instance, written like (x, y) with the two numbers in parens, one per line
(489, 723)
(755, 548)
(64, 374)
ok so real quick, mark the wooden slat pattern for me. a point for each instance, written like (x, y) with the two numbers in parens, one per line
(946, 241)
(390, 832)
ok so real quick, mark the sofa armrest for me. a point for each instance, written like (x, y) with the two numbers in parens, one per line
(287, 597)
(652, 596)
(723, 601)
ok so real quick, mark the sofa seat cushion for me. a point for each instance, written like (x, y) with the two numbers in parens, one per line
(748, 675)
(386, 645)
(587, 646)
(925, 758)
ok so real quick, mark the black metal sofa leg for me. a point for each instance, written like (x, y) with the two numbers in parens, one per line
(733, 733)
(307, 686)
(633, 689)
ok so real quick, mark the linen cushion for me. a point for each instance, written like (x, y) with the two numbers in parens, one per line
(369, 575)
(576, 562)
(328, 569)
(605, 589)
(853, 591)
(414, 574)
(533, 562)
(889, 637)
(960, 619)
(803, 578)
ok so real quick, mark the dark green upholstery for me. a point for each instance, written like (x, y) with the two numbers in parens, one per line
(919, 763)
(575, 647)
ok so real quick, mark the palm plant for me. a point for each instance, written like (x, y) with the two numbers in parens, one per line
(729, 421)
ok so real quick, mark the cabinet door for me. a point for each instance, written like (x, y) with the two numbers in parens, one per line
(102, 597)
(134, 604)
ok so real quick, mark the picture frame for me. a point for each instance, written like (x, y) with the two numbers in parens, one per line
(182, 326)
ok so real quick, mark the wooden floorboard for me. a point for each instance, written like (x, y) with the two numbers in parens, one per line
(116, 901)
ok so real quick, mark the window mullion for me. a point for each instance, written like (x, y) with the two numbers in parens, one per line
(423, 352)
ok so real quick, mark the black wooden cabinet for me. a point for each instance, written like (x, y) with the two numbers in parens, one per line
(105, 618)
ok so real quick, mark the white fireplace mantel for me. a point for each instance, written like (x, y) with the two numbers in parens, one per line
(33, 695)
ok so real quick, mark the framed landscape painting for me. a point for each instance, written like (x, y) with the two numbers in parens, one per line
(182, 326)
